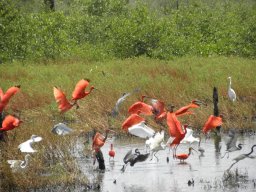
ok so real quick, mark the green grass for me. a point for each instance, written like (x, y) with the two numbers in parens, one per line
(175, 82)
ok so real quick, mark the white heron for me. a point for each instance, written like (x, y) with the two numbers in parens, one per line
(17, 165)
(189, 138)
(231, 143)
(61, 129)
(141, 130)
(231, 92)
(26, 146)
(242, 156)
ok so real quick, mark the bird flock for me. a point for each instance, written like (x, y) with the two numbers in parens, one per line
(135, 124)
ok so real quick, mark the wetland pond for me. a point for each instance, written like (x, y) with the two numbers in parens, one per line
(207, 171)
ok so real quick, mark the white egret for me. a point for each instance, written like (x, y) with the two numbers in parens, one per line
(141, 130)
(231, 92)
(189, 138)
(242, 156)
(61, 129)
(26, 146)
(17, 165)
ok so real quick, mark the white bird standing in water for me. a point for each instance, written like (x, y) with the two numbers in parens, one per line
(17, 165)
(231, 92)
(26, 146)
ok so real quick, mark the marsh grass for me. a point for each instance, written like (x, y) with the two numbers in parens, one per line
(175, 82)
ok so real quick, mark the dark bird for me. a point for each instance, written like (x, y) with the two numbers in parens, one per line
(231, 143)
(242, 156)
(133, 158)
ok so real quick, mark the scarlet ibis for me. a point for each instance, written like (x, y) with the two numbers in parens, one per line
(231, 143)
(182, 157)
(60, 97)
(133, 158)
(132, 120)
(61, 129)
(26, 147)
(10, 122)
(111, 153)
(175, 130)
(211, 123)
(17, 165)
(141, 108)
(185, 110)
(189, 138)
(4, 98)
(159, 109)
(231, 92)
(141, 130)
(79, 91)
(242, 156)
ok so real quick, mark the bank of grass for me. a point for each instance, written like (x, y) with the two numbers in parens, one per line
(175, 82)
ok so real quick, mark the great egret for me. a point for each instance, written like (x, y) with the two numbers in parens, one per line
(231, 143)
(17, 165)
(26, 146)
(61, 129)
(141, 130)
(242, 156)
(189, 138)
(231, 92)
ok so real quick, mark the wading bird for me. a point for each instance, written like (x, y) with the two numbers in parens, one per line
(175, 130)
(61, 99)
(26, 147)
(79, 91)
(231, 143)
(182, 157)
(185, 110)
(115, 111)
(10, 122)
(133, 158)
(242, 156)
(189, 138)
(231, 92)
(17, 165)
(141, 108)
(141, 130)
(111, 153)
(159, 110)
(61, 129)
(5, 97)
(133, 119)
(211, 123)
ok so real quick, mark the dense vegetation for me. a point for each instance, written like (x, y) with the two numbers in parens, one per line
(97, 29)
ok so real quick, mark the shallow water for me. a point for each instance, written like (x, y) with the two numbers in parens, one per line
(207, 171)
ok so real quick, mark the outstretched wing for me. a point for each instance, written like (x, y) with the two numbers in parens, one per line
(211, 123)
(128, 156)
(60, 98)
(80, 88)
(174, 125)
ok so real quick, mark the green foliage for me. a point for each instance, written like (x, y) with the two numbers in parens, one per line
(101, 29)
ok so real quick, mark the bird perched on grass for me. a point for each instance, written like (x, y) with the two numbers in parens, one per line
(17, 165)
(231, 92)
(26, 147)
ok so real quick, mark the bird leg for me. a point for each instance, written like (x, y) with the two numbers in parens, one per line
(124, 167)
(156, 156)
(231, 165)
(224, 155)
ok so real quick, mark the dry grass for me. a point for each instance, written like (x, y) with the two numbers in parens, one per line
(176, 82)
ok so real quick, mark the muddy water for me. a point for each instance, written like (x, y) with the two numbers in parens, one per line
(207, 171)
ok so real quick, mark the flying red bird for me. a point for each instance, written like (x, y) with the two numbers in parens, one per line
(159, 109)
(211, 123)
(10, 122)
(185, 110)
(79, 91)
(61, 99)
(4, 98)
(175, 130)
(132, 120)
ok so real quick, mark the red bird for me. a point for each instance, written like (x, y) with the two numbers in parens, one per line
(79, 91)
(158, 109)
(10, 122)
(61, 99)
(212, 123)
(132, 120)
(175, 130)
(185, 110)
(111, 153)
(4, 98)
(182, 157)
